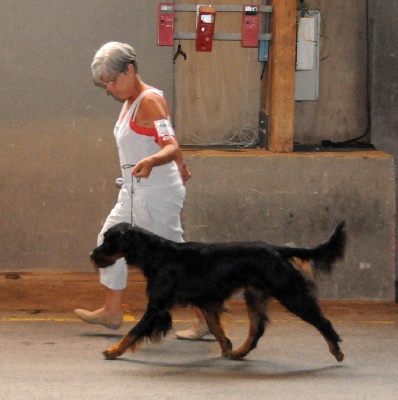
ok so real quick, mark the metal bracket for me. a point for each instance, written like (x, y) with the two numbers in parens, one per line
(219, 8)
(234, 8)
(219, 36)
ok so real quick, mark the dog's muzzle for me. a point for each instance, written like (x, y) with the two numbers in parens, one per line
(95, 265)
(99, 260)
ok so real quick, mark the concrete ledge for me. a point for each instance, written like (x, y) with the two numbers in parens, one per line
(36, 293)
(299, 198)
(234, 195)
(27, 296)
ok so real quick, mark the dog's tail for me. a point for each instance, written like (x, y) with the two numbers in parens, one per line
(324, 255)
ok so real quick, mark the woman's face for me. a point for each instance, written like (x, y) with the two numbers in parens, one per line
(122, 85)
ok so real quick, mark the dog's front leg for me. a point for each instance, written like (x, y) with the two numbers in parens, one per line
(119, 348)
(153, 325)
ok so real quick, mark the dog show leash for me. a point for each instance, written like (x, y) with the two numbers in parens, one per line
(120, 182)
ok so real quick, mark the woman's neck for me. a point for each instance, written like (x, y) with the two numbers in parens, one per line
(138, 87)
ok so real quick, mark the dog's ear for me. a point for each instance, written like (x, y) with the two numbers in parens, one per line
(114, 238)
(128, 237)
(133, 244)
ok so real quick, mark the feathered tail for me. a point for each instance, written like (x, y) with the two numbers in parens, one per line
(322, 256)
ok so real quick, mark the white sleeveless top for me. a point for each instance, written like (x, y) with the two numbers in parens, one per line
(135, 143)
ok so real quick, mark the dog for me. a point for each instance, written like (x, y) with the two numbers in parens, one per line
(206, 275)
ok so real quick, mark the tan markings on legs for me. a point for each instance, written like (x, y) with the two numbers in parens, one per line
(119, 348)
(214, 324)
(256, 310)
(245, 348)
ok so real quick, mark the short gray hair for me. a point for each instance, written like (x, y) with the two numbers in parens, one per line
(112, 59)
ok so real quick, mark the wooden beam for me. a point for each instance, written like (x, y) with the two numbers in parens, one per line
(281, 78)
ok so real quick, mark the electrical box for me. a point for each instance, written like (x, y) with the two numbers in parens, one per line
(307, 57)
(250, 25)
(263, 51)
(306, 44)
(165, 24)
(205, 28)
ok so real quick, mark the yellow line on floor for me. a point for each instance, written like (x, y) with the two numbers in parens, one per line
(131, 318)
(128, 318)
(381, 322)
(37, 319)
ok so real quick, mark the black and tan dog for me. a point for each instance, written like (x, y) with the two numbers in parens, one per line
(205, 275)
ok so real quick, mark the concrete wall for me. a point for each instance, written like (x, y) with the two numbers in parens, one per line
(58, 159)
(300, 198)
(340, 112)
(383, 74)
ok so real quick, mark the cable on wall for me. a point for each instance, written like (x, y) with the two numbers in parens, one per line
(243, 136)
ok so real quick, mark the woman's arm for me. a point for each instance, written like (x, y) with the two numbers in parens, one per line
(153, 108)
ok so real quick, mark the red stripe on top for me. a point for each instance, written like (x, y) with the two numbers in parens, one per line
(142, 130)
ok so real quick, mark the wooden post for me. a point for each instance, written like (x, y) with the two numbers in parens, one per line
(281, 76)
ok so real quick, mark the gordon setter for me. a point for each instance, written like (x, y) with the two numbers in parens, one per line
(205, 275)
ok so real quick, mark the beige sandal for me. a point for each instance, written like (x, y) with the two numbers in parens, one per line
(196, 332)
(102, 318)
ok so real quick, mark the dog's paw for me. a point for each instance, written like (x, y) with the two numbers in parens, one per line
(112, 353)
(334, 348)
(119, 348)
(109, 355)
(233, 355)
(339, 355)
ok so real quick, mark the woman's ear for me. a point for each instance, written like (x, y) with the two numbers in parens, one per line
(130, 69)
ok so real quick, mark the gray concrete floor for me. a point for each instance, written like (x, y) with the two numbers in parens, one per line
(48, 355)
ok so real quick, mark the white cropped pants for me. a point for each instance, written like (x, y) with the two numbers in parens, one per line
(155, 208)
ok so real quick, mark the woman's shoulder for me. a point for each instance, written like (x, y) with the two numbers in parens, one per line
(152, 94)
(154, 103)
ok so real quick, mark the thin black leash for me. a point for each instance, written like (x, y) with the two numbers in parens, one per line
(127, 166)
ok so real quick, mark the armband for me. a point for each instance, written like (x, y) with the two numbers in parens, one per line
(164, 129)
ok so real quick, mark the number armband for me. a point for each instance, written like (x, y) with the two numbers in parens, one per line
(164, 129)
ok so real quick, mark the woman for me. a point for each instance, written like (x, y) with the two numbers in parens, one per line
(152, 167)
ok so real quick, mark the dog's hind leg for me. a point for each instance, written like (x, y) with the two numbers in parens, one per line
(256, 302)
(212, 317)
(309, 310)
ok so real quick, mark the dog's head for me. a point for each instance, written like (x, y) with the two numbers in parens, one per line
(114, 246)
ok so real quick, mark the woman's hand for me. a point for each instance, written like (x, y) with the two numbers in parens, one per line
(184, 172)
(143, 168)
